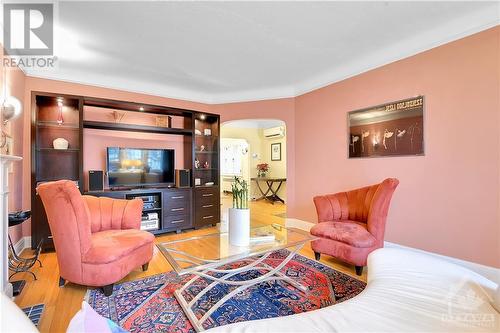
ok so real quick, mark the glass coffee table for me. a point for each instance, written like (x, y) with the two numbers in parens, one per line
(205, 257)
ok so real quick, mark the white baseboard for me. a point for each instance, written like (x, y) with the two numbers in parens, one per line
(489, 272)
(23, 243)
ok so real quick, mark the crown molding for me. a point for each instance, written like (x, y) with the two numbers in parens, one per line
(448, 32)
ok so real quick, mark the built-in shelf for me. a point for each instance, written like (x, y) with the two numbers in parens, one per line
(134, 128)
(205, 152)
(205, 169)
(69, 150)
(57, 125)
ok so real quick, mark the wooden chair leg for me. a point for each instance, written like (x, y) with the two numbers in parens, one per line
(317, 255)
(61, 282)
(359, 270)
(108, 290)
(145, 267)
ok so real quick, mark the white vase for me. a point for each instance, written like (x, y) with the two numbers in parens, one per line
(239, 227)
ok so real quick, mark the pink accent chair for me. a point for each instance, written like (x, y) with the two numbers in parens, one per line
(97, 240)
(352, 224)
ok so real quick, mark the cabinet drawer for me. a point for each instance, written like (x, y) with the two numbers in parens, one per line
(176, 222)
(207, 195)
(206, 216)
(177, 208)
(179, 200)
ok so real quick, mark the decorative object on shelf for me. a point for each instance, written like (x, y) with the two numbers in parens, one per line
(197, 181)
(60, 143)
(207, 132)
(197, 132)
(209, 184)
(164, 121)
(276, 151)
(262, 169)
(239, 215)
(117, 116)
(202, 148)
(400, 121)
(206, 165)
(196, 163)
(60, 119)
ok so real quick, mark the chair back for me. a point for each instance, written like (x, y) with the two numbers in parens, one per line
(69, 223)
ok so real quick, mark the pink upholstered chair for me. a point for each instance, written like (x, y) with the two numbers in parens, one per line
(97, 240)
(352, 224)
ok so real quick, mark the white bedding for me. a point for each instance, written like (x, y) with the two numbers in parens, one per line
(406, 292)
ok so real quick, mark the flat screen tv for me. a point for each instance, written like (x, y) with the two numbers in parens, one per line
(128, 167)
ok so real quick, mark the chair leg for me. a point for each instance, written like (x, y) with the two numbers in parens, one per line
(145, 267)
(317, 255)
(61, 282)
(359, 270)
(108, 290)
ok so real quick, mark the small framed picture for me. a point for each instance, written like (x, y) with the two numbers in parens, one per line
(276, 151)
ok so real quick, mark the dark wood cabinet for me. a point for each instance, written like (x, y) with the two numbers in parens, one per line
(57, 116)
(174, 205)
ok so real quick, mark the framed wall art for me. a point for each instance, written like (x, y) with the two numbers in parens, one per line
(276, 151)
(391, 129)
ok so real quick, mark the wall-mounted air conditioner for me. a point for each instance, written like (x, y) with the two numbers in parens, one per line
(274, 132)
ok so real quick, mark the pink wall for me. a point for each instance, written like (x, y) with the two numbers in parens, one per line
(15, 81)
(448, 200)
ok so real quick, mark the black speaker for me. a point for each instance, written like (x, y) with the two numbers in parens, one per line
(182, 178)
(96, 180)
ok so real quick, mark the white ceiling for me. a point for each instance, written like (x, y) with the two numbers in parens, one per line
(216, 52)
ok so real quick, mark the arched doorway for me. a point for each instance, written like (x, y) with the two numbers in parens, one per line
(246, 145)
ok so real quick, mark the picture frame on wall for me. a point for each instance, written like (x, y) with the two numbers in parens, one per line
(276, 151)
(390, 129)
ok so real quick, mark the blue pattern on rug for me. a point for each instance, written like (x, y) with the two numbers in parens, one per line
(148, 305)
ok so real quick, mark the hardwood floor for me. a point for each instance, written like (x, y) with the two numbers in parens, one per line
(62, 303)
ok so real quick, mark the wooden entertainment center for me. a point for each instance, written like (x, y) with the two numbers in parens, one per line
(70, 117)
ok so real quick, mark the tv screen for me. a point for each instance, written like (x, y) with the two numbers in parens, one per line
(139, 166)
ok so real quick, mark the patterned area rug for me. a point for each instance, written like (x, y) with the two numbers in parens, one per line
(148, 305)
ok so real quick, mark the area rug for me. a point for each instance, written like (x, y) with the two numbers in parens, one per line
(34, 313)
(148, 305)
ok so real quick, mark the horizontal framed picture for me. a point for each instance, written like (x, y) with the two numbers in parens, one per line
(276, 151)
(391, 129)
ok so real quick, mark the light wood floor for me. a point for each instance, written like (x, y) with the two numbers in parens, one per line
(62, 303)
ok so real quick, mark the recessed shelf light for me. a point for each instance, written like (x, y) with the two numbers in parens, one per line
(141, 108)
(203, 117)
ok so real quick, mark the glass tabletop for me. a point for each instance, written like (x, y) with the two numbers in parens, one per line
(196, 253)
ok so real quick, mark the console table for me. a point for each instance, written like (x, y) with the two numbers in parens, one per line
(269, 183)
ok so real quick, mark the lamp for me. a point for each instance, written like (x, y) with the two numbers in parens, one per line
(11, 108)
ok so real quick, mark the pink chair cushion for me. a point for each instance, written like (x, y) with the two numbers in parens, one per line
(349, 232)
(111, 245)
